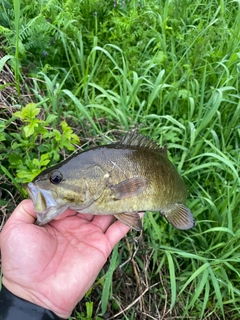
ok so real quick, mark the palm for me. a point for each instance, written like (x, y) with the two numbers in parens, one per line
(59, 262)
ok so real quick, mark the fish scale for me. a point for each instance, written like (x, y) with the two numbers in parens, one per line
(120, 179)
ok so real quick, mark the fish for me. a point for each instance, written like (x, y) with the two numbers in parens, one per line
(122, 179)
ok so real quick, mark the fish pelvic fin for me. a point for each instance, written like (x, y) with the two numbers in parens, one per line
(129, 188)
(131, 219)
(179, 216)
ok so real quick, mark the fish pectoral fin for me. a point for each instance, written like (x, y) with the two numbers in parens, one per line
(131, 219)
(179, 216)
(129, 188)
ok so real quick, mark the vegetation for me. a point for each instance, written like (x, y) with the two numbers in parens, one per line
(83, 72)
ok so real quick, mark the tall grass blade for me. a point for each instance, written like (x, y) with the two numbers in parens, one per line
(172, 278)
(16, 5)
(3, 60)
(195, 275)
(108, 280)
(82, 110)
(217, 291)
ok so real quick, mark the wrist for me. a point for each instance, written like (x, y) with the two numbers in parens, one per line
(31, 298)
(13, 307)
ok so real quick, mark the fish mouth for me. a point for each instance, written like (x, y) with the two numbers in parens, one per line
(45, 205)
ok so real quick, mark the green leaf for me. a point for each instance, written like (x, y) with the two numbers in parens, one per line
(2, 137)
(57, 135)
(4, 59)
(30, 129)
(50, 118)
(15, 159)
(10, 176)
(35, 162)
(28, 113)
(27, 175)
(3, 202)
(44, 159)
(89, 308)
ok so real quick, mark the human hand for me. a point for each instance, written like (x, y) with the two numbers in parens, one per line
(54, 266)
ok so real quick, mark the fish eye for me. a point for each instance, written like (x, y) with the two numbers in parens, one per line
(55, 177)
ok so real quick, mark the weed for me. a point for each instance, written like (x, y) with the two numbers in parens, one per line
(169, 69)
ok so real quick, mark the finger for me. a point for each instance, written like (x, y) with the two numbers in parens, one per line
(117, 231)
(23, 213)
(103, 222)
(66, 213)
(141, 214)
(88, 217)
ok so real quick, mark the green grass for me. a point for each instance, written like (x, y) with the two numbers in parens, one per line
(171, 69)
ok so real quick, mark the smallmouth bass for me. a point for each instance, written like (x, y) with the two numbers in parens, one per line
(119, 179)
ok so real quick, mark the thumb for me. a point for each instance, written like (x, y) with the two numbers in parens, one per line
(24, 213)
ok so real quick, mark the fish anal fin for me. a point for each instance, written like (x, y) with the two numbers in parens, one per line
(129, 188)
(179, 216)
(131, 219)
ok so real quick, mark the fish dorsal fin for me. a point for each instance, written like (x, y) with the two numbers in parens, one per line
(134, 138)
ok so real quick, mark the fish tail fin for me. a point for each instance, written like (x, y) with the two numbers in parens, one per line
(179, 216)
